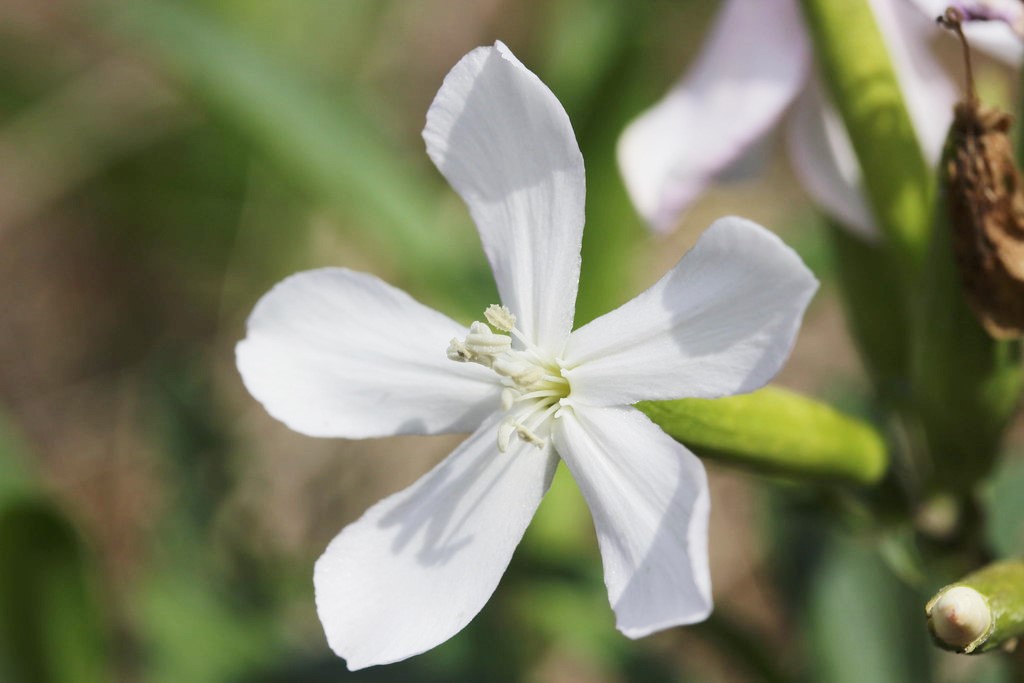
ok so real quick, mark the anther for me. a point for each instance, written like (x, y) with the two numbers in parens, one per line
(522, 373)
(500, 318)
(486, 344)
(508, 398)
(505, 431)
(458, 352)
(528, 436)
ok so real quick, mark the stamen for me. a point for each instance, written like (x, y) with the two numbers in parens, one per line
(533, 383)
(505, 431)
(500, 318)
(522, 373)
(458, 352)
(519, 335)
(545, 415)
(529, 437)
(482, 342)
(509, 398)
(543, 393)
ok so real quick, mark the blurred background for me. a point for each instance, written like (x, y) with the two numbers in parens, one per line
(163, 164)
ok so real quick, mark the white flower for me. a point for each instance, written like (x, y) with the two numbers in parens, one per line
(337, 353)
(753, 73)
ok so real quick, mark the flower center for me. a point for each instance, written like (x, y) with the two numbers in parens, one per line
(534, 386)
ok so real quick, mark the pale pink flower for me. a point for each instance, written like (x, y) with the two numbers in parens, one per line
(755, 74)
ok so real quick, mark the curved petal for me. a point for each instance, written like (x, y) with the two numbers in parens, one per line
(419, 565)
(649, 499)
(747, 73)
(824, 161)
(506, 145)
(334, 352)
(721, 322)
(994, 37)
(928, 92)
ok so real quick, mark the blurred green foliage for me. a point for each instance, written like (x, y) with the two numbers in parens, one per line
(864, 625)
(1005, 505)
(52, 627)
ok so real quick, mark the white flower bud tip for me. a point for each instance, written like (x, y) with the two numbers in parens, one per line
(960, 616)
(500, 318)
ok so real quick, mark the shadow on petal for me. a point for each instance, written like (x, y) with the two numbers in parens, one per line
(438, 510)
(660, 593)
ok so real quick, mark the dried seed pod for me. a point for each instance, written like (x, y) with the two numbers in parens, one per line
(986, 206)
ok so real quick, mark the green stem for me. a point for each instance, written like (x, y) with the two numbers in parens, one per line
(1001, 590)
(881, 331)
(776, 431)
(854, 60)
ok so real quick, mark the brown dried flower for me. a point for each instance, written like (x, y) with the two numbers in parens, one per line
(986, 208)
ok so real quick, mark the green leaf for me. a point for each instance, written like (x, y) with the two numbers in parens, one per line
(52, 629)
(855, 62)
(776, 431)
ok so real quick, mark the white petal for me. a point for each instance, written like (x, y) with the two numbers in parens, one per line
(721, 322)
(649, 499)
(994, 37)
(334, 352)
(505, 144)
(927, 90)
(824, 161)
(747, 73)
(419, 565)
